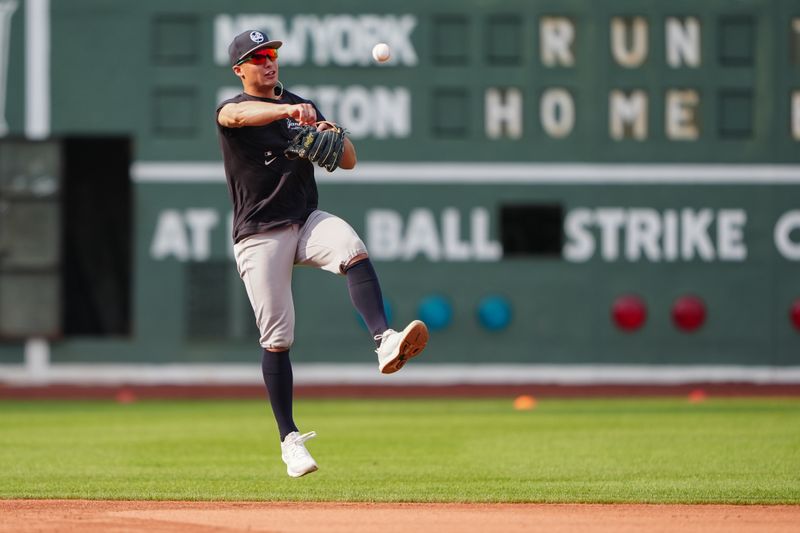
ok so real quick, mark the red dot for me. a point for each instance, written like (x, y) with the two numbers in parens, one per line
(794, 313)
(689, 312)
(125, 395)
(629, 312)
(698, 396)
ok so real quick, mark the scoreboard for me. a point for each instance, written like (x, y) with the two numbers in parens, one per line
(604, 82)
(531, 174)
(506, 81)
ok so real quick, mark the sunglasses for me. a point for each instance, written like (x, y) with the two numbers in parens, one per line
(261, 57)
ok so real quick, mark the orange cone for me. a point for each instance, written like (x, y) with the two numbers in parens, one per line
(524, 403)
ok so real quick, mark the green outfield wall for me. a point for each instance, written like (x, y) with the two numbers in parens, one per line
(522, 167)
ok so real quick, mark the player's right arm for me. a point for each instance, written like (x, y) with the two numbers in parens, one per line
(241, 114)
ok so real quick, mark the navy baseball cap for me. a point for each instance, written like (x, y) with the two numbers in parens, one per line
(248, 42)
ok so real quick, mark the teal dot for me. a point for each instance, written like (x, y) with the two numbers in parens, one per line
(435, 311)
(494, 313)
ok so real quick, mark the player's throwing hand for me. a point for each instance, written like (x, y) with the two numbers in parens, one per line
(303, 113)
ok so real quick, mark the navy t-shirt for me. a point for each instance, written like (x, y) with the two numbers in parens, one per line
(267, 189)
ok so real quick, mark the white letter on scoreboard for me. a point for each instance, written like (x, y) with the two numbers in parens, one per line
(681, 115)
(580, 241)
(378, 111)
(670, 235)
(610, 221)
(788, 223)
(796, 115)
(503, 110)
(483, 247)
(200, 223)
(421, 236)
(557, 110)
(633, 56)
(556, 37)
(630, 111)
(455, 249)
(170, 237)
(343, 39)
(384, 227)
(392, 112)
(730, 234)
(683, 42)
(398, 36)
(296, 34)
(695, 234)
(642, 230)
(355, 110)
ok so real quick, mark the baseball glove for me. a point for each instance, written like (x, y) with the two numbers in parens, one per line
(325, 148)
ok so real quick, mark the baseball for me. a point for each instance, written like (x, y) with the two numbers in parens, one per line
(380, 52)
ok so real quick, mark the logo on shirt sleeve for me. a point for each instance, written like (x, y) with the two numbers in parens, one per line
(292, 125)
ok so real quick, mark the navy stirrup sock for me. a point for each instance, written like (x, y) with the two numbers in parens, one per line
(277, 371)
(365, 293)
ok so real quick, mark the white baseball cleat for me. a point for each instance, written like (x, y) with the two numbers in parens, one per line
(397, 348)
(293, 452)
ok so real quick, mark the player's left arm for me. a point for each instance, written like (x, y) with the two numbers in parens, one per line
(349, 155)
(349, 158)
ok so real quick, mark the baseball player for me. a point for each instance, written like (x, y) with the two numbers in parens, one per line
(271, 139)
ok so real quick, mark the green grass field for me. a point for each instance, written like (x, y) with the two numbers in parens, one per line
(620, 450)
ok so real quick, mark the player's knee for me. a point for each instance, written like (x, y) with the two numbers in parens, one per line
(277, 349)
(353, 261)
(276, 343)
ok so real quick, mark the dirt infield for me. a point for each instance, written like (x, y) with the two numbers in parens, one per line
(123, 516)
